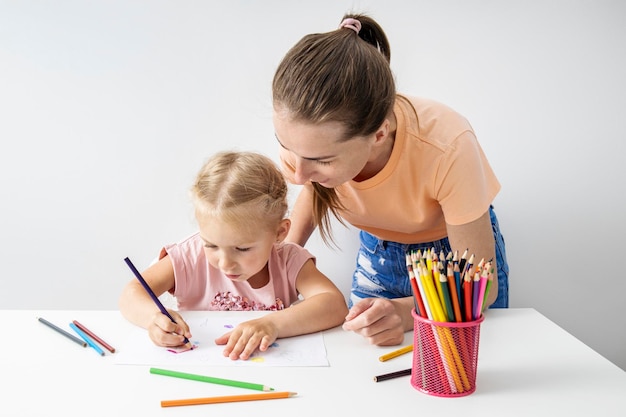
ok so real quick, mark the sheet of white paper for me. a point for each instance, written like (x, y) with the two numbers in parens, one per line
(305, 350)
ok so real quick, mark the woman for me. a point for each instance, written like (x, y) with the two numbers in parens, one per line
(407, 171)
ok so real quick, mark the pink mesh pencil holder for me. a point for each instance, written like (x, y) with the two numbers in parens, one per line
(445, 356)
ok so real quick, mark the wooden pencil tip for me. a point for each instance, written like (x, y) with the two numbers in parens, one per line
(293, 394)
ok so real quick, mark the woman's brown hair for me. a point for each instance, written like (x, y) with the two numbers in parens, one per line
(337, 76)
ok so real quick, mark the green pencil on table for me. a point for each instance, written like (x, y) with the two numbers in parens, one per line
(210, 379)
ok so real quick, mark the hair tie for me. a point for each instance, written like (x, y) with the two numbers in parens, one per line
(351, 23)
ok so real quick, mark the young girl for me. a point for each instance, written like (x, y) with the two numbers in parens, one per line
(407, 171)
(237, 261)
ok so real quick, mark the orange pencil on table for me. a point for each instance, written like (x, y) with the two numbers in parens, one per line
(228, 399)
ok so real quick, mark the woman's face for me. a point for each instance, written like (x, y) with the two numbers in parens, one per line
(314, 152)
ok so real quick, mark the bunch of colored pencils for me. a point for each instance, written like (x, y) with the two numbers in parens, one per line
(449, 288)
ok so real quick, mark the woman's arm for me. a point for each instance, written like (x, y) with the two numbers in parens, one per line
(477, 238)
(301, 216)
(383, 322)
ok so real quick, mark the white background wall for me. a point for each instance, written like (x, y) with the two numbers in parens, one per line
(108, 109)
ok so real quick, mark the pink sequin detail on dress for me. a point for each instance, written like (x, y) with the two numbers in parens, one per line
(227, 301)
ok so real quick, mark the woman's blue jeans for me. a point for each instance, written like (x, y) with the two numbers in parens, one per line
(381, 267)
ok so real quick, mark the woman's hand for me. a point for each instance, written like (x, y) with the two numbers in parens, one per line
(381, 321)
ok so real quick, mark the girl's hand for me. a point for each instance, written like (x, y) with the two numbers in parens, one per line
(244, 339)
(163, 332)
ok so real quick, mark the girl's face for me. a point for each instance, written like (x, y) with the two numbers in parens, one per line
(314, 152)
(240, 254)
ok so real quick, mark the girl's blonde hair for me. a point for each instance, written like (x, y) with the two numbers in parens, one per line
(246, 189)
(338, 76)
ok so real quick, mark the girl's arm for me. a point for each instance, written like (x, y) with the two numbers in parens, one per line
(137, 306)
(323, 307)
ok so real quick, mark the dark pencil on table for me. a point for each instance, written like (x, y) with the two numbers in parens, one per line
(392, 375)
(63, 332)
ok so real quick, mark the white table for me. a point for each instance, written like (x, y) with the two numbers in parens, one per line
(527, 366)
